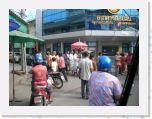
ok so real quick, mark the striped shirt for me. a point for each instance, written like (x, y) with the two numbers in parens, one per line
(104, 89)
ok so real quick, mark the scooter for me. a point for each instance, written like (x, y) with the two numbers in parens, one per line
(56, 78)
(39, 96)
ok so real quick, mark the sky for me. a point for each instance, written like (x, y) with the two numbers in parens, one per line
(29, 13)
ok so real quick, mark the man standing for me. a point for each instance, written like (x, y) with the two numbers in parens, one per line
(86, 68)
(129, 61)
(117, 63)
(49, 61)
(61, 64)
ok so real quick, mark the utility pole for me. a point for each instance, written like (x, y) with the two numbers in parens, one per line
(23, 47)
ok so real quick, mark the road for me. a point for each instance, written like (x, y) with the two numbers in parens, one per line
(69, 95)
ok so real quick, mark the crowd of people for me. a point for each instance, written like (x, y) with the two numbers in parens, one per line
(122, 62)
(97, 85)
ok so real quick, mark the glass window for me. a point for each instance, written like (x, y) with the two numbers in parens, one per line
(127, 11)
(134, 12)
(92, 44)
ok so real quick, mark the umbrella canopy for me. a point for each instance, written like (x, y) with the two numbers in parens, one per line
(13, 25)
(20, 37)
(79, 45)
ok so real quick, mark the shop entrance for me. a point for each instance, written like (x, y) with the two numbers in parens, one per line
(57, 47)
(109, 50)
(67, 47)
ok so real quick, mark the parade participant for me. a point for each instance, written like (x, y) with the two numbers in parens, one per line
(61, 64)
(71, 60)
(92, 58)
(54, 54)
(123, 63)
(54, 65)
(105, 89)
(66, 60)
(75, 63)
(117, 63)
(49, 61)
(86, 68)
(129, 59)
(39, 75)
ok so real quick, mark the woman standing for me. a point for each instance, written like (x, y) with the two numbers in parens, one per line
(117, 63)
(123, 63)
(94, 63)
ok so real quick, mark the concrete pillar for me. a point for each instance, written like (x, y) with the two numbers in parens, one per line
(132, 45)
(22, 57)
(51, 45)
(99, 46)
(25, 64)
(62, 47)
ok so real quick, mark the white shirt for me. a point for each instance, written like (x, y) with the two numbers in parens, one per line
(117, 57)
(85, 66)
(54, 66)
(71, 57)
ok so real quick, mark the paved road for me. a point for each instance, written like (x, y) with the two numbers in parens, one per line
(69, 95)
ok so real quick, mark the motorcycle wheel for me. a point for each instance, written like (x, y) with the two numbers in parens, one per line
(58, 82)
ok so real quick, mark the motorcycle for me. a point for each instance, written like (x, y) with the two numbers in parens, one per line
(56, 79)
(39, 96)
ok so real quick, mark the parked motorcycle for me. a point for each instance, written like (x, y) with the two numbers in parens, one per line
(56, 78)
(39, 96)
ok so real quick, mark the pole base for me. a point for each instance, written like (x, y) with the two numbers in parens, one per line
(14, 100)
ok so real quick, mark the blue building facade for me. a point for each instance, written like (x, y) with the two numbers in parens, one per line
(96, 27)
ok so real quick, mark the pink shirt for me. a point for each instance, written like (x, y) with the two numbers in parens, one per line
(39, 74)
(61, 62)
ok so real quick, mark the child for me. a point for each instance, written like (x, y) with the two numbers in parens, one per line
(54, 65)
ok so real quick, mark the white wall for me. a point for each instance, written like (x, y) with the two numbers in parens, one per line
(89, 33)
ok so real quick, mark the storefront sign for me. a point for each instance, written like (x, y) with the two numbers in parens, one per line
(102, 19)
(28, 45)
(113, 11)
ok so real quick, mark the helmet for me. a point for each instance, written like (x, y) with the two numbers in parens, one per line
(38, 58)
(104, 63)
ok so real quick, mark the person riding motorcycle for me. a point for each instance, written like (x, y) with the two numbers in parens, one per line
(105, 89)
(40, 76)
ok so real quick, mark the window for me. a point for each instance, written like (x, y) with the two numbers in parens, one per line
(92, 44)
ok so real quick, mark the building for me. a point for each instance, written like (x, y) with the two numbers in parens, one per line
(31, 27)
(31, 31)
(23, 28)
(104, 30)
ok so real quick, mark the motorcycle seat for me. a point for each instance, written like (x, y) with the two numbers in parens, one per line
(39, 87)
